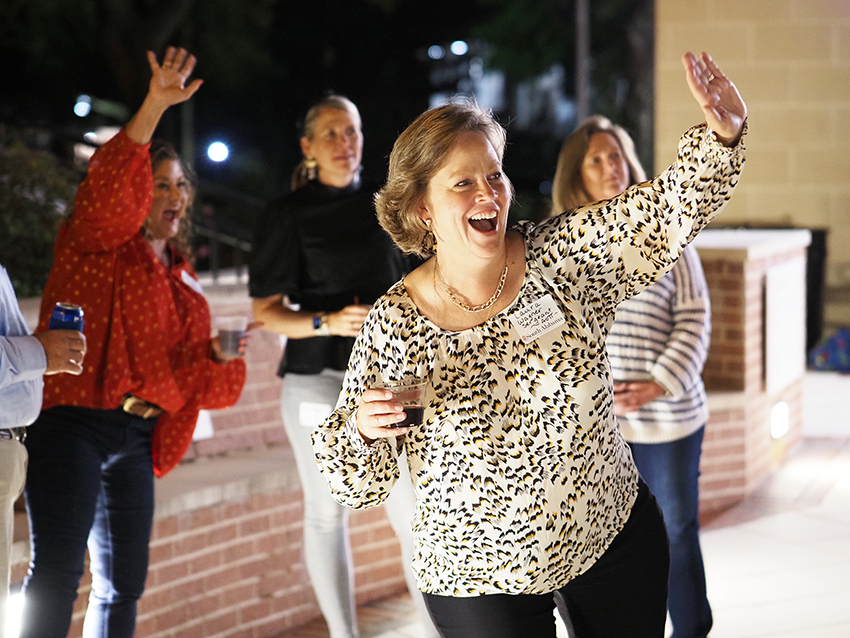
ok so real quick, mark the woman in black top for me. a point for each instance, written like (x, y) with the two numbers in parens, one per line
(319, 260)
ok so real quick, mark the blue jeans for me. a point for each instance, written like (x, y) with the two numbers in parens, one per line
(672, 472)
(90, 480)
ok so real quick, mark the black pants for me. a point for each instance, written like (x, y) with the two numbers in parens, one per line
(623, 595)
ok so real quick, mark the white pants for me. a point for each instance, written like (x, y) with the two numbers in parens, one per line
(305, 401)
(13, 474)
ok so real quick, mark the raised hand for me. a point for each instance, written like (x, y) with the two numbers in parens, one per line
(717, 96)
(168, 81)
(167, 88)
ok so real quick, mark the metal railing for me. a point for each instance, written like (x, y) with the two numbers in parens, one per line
(222, 231)
(241, 250)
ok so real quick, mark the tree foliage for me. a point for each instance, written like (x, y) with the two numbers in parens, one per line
(53, 49)
(528, 36)
(34, 193)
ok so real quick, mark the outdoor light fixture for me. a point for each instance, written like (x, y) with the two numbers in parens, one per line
(436, 52)
(218, 151)
(779, 418)
(83, 106)
(459, 47)
(14, 607)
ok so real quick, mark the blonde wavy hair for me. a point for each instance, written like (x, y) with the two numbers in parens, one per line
(418, 153)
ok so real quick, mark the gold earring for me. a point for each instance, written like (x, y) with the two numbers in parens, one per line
(310, 164)
(430, 241)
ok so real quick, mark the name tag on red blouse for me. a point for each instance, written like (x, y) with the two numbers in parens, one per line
(537, 319)
(190, 281)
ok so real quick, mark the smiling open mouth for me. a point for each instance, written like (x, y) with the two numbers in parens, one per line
(484, 222)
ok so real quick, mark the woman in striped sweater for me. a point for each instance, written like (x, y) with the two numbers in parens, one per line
(657, 348)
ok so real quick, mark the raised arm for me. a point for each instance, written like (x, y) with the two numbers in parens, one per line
(717, 96)
(166, 89)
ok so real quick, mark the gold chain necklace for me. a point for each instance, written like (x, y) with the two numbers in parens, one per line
(482, 306)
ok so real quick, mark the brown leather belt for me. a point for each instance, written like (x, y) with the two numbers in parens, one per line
(140, 407)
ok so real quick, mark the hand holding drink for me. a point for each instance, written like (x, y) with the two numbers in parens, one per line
(63, 342)
(231, 336)
(410, 393)
(391, 408)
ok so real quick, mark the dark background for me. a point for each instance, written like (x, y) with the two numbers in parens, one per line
(265, 61)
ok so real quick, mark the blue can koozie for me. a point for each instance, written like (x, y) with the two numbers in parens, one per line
(66, 316)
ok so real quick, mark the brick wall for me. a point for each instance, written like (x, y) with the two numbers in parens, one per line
(236, 568)
(791, 61)
(738, 449)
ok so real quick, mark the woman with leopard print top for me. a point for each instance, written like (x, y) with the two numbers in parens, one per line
(524, 485)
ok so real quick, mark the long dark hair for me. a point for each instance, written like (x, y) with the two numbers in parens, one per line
(161, 151)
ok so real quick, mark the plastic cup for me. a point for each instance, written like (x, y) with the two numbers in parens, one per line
(411, 394)
(231, 332)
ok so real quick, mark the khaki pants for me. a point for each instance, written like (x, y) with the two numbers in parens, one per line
(13, 474)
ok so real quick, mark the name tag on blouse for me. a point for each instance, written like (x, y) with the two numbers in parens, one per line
(537, 319)
(190, 281)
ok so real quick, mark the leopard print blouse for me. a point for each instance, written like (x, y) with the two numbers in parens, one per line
(521, 475)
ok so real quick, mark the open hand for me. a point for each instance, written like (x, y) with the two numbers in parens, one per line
(168, 81)
(717, 96)
(167, 87)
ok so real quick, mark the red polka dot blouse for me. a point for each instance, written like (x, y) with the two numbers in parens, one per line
(147, 326)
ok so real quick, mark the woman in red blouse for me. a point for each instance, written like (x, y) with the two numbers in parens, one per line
(151, 366)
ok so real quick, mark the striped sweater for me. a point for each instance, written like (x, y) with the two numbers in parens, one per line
(662, 335)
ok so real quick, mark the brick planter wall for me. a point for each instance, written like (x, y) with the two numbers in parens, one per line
(738, 450)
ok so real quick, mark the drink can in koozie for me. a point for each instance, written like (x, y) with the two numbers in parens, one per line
(67, 316)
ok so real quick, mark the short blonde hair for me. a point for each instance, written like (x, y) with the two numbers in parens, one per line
(418, 153)
(568, 189)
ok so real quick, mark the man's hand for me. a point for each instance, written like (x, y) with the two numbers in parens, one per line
(64, 349)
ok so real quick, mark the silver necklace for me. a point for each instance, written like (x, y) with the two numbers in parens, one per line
(482, 306)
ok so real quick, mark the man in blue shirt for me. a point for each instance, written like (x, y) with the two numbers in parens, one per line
(24, 358)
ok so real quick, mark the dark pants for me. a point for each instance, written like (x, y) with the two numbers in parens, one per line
(90, 480)
(672, 472)
(624, 594)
